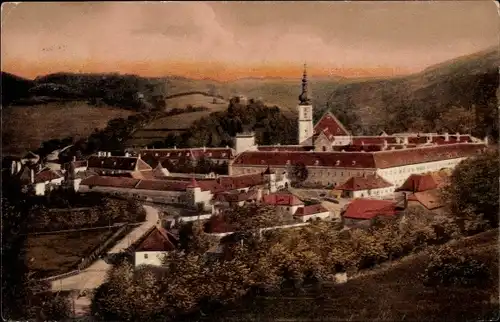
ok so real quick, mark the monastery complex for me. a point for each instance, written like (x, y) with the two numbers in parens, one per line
(327, 154)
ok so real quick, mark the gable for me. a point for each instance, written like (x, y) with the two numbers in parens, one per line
(331, 126)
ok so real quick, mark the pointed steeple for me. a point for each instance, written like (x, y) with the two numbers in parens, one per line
(193, 183)
(304, 96)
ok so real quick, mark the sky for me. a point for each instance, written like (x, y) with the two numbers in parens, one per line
(230, 40)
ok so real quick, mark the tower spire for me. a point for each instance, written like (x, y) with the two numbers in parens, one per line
(304, 96)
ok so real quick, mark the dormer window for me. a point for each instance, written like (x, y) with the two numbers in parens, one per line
(102, 162)
(337, 162)
(179, 154)
(223, 154)
(287, 161)
(316, 162)
(156, 154)
(132, 164)
(209, 154)
(353, 162)
(262, 161)
(168, 154)
(114, 163)
(187, 154)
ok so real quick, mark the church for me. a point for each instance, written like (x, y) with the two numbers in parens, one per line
(333, 156)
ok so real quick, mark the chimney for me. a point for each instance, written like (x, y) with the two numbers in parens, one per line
(405, 140)
(385, 145)
(32, 175)
(405, 196)
(13, 167)
(109, 154)
(74, 158)
(486, 140)
(446, 137)
(204, 149)
(175, 147)
(127, 154)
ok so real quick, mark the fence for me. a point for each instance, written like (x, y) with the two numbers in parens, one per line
(90, 259)
(220, 235)
(70, 209)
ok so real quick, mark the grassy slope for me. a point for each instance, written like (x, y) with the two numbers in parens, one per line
(25, 127)
(392, 293)
(52, 254)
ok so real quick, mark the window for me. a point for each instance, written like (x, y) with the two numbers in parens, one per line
(145, 256)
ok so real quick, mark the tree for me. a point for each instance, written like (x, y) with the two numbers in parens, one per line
(194, 240)
(299, 172)
(472, 195)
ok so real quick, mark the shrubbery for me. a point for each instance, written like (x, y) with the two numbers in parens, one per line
(447, 267)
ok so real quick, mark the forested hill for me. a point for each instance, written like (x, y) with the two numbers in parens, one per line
(125, 91)
(457, 95)
(14, 87)
(218, 129)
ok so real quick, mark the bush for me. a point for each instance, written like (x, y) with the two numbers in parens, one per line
(447, 267)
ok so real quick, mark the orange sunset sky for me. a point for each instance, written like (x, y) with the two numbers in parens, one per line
(225, 41)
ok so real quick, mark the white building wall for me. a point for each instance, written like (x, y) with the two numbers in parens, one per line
(40, 189)
(320, 215)
(149, 258)
(336, 176)
(374, 193)
(398, 175)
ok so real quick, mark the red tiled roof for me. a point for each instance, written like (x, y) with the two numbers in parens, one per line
(364, 183)
(235, 197)
(373, 160)
(162, 185)
(117, 163)
(284, 148)
(423, 182)
(325, 159)
(330, 125)
(193, 183)
(195, 153)
(388, 159)
(281, 199)
(375, 140)
(156, 240)
(141, 175)
(104, 181)
(430, 199)
(310, 210)
(369, 208)
(47, 175)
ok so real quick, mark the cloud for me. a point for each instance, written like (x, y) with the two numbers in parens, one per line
(328, 34)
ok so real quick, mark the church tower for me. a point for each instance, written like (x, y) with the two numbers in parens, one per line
(305, 114)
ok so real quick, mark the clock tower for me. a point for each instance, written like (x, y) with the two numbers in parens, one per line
(305, 114)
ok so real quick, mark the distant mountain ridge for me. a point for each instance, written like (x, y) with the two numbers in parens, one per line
(419, 100)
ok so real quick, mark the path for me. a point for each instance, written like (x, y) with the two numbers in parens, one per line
(95, 274)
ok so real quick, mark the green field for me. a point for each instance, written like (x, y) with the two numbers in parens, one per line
(26, 127)
(196, 100)
(58, 253)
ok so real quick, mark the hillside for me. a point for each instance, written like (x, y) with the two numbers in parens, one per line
(272, 91)
(26, 127)
(394, 292)
(419, 101)
(14, 87)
